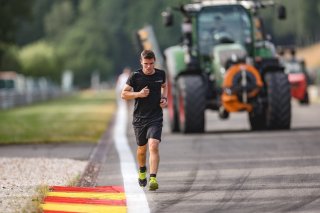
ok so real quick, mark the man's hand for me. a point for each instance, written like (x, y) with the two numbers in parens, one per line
(163, 102)
(144, 92)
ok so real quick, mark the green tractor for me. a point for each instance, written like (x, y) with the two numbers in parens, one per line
(225, 63)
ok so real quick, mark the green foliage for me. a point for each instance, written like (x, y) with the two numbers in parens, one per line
(84, 54)
(94, 36)
(59, 19)
(32, 29)
(38, 59)
(311, 17)
(11, 11)
(10, 59)
(301, 25)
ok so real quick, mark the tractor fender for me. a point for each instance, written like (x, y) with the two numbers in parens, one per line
(265, 65)
(175, 61)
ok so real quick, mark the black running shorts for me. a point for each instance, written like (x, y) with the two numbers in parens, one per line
(143, 133)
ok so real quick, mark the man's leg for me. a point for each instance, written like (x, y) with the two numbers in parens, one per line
(141, 155)
(141, 158)
(154, 159)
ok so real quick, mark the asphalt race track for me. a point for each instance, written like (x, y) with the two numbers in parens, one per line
(232, 169)
(227, 169)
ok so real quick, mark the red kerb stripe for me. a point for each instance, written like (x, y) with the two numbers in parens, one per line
(106, 189)
(52, 199)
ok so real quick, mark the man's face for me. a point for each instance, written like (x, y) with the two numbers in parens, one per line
(147, 66)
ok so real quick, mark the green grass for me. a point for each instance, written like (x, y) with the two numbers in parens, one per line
(80, 118)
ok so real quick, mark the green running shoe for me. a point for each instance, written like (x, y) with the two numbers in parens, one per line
(142, 179)
(153, 184)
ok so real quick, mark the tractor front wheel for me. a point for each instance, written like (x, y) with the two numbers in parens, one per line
(276, 112)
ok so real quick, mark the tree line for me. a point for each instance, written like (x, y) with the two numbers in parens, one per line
(301, 26)
(44, 37)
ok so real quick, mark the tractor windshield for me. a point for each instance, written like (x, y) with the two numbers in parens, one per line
(223, 24)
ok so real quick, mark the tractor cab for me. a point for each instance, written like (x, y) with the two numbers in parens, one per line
(223, 25)
(224, 36)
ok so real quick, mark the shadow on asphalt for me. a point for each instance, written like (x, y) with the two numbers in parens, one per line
(237, 131)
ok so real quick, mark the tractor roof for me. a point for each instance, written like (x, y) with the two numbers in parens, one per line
(248, 4)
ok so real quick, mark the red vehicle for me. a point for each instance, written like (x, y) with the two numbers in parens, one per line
(298, 80)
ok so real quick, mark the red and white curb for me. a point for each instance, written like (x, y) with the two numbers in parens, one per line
(84, 199)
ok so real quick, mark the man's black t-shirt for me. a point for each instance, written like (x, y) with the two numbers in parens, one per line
(148, 108)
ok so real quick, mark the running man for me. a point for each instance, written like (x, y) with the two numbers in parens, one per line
(149, 89)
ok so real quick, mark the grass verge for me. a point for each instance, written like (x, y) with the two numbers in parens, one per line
(41, 193)
(82, 117)
(37, 200)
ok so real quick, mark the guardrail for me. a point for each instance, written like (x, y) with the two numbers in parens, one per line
(12, 98)
(19, 90)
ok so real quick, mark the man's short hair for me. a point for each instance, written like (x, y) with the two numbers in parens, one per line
(148, 54)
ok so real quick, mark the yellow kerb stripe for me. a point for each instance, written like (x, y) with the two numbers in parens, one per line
(84, 208)
(99, 195)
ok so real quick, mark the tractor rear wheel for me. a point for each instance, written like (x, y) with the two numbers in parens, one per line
(278, 110)
(192, 103)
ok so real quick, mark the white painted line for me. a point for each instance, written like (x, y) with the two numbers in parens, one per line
(135, 196)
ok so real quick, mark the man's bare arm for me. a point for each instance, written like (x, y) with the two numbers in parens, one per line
(164, 100)
(128, 94)
(164, 90)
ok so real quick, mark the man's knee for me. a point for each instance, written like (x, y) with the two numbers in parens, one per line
(153, 145)
(142, 149)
